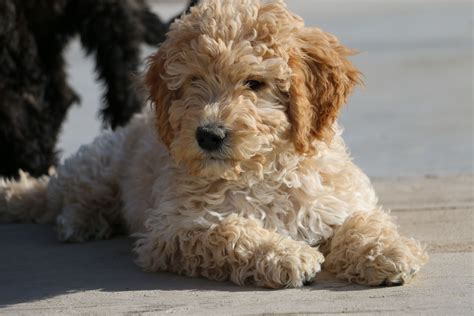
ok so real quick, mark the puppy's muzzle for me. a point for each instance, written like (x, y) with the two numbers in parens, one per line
(211, 137)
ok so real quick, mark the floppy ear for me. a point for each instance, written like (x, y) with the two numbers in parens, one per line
(160, 96)
(322, 80)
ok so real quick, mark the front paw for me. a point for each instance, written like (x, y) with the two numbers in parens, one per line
(398, 263)
(368, 250)
(290, 264)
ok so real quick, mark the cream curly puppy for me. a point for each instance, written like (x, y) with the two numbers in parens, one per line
(239, 171)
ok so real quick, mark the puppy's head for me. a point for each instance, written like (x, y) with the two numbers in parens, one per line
(236, 80)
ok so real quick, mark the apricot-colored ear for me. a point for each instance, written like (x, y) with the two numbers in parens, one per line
(322, 80)
(160, 96)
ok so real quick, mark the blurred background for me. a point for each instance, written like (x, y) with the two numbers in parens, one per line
(414, 117)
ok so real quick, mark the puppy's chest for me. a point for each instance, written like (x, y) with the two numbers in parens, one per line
(256, 201)
(265, 202)
(278, 207)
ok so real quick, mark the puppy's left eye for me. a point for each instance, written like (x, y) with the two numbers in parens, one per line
(254, 85)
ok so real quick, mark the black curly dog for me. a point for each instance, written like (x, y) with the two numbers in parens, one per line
(34, 93)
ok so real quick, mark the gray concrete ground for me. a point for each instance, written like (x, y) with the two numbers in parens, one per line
(410, 128)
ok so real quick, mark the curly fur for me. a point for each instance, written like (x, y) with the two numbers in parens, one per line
(266, 209)
(34, 93)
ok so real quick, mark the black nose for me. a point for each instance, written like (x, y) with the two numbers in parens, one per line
(211, 138)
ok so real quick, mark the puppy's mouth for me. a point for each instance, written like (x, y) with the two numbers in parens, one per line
(217, 156)
(217, 167)
(218, 159)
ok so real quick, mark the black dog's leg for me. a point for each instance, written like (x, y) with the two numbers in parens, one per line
(34, 97)
(111, 31)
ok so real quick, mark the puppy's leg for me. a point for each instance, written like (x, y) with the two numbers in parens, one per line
(83, 197)
(367, 249)
(76, 224)
(88, 184)
(237, 249)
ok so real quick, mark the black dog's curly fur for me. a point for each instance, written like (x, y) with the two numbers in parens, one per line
(34, 93)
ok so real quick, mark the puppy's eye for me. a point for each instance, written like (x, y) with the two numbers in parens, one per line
(254, 85)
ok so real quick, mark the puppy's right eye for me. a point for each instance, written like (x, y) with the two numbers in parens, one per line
(254, 85)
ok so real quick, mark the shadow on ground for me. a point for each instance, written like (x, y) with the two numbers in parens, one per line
(36, 266)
